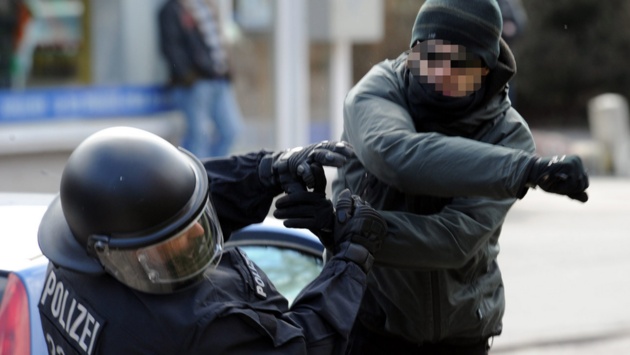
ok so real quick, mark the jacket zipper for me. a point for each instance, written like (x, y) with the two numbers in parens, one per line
(435, 291)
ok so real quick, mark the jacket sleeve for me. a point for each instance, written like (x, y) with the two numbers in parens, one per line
(318, 322)
(328, 306)
(464, 225)
(447, 239)
(236, 192)
(325, 310)
(380, 129)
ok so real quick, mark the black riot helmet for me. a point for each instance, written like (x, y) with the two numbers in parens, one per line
(136, 207)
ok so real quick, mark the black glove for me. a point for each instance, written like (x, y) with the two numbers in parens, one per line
(310, 210)
(564, 175)
(356, 221)
(355, 231)
(291, 169)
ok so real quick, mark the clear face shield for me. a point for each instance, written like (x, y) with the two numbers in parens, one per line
(170, 265)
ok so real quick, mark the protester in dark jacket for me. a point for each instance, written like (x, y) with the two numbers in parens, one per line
(442, 156)
(200, 75)
(137, 266)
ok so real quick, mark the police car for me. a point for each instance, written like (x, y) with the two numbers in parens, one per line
(290, 257)
(22, 273)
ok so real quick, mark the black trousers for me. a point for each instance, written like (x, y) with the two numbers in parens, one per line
(364, 341)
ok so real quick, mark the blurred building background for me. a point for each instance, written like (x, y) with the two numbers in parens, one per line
(79, 65)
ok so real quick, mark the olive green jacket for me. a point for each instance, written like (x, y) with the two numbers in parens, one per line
(445, 190)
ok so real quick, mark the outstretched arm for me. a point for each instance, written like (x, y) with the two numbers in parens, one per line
(379, 127)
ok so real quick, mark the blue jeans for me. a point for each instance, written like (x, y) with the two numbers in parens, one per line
(213, 118)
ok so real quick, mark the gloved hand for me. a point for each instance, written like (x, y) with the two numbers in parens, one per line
(564, 175)
(291, 169)
(357, 222)
(355, 231)
(310, 210)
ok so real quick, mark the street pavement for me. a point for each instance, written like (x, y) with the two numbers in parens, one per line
(566, 268)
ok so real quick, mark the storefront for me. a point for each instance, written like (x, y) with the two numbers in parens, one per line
(290, 56)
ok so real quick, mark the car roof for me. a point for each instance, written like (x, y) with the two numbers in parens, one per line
(273, 232)
(20, 215)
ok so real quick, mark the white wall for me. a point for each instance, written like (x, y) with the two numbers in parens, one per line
(125, 49)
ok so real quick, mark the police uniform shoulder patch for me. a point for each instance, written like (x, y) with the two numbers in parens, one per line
(257, 282)
(70, 325)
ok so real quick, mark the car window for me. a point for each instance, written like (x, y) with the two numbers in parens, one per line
(290, 270)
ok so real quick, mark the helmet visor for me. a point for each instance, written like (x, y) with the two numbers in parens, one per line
(173, 263)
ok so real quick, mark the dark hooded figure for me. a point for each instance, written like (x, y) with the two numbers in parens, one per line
(440, 152)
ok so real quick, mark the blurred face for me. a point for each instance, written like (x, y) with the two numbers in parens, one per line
(449, 68)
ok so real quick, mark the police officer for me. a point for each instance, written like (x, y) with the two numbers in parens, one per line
(137, 265)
